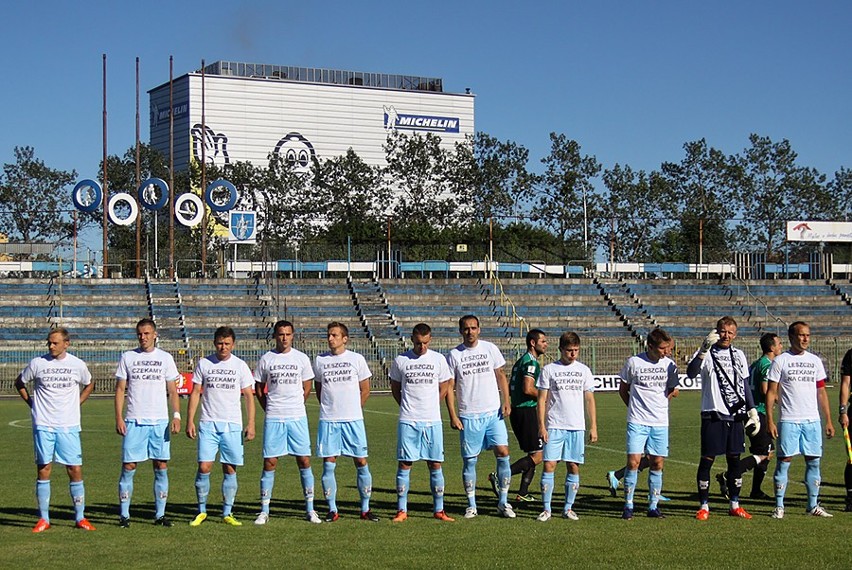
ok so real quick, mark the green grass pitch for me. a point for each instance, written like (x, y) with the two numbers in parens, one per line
(599, 538)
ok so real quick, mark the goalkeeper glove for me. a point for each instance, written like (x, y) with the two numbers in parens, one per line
(711, 339)
(752, 426)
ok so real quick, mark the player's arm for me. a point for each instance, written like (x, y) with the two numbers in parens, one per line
(120, 389)
(87, 391)
(306, 388)
(541, 412)
(174, 404)
(396, 390)
(822, 396)
(191, 408)
(22, 391)
(591, 410)
(771, 398)
(843, 418)
(455, 422)
(503, 386)
(529, 386)
(248, 397)
(624, 392)
(259, 393)
(443, 389)
(364, 387)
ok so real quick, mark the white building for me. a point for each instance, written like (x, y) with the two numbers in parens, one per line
(305, 114)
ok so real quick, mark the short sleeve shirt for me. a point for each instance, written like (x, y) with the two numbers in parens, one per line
(798, 377)
(525, 366)
(566, 385)
(284, 374)
(420, 379)
(759, 370)
(56, 390)
(146, 374)
(476, 383)
(650, 383)
(736, 372)
(340, 377)
(222, 383)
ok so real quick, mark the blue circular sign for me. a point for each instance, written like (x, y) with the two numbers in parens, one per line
(225, 185)
(87, 195)
(148, 193)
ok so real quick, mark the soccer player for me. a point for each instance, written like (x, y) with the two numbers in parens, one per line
(55, 409)
(563, 388)
(726, 401)
(648, 381)
(343, 386)
(419, 381)
(147, 376)
(283, 380)
(477, 373)
(843, 418)
(524, 418)
(797, 381)
(219, 381)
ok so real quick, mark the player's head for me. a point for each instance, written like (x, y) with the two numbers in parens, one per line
(58, 341)
(146, 334)
(224, 339)
(660, 344)
(537, 342)
(569, 347)
(337, 336)
(799, 334)
(770, 343)
(283, 335)
(726, 328)
(421, 336)
(469, 329)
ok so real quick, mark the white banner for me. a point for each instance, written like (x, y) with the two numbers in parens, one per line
(819, 231)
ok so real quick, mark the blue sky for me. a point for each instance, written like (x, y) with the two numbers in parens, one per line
(630, 81)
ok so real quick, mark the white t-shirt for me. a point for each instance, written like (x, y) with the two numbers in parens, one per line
(476, 385)
(222, 383)
(56, 390)
(711, 397)
(339, 377)
(284, 375)
(146, 374)
(649, 384)
(566, 385)
(420, 378)
(798, 376)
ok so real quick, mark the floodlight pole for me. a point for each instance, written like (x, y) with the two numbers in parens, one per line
(138, 182)
(105, 256)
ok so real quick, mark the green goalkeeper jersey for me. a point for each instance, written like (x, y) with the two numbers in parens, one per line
(526, 365)
(758, 376)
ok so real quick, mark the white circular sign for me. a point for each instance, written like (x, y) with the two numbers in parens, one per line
(114, 200)
(189, 209)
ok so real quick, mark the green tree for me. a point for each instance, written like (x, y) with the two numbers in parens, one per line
(35, 199)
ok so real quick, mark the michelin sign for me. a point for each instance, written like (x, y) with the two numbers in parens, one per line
(395, 120)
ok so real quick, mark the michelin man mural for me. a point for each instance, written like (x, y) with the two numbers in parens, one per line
(297, 150)
(215, 145)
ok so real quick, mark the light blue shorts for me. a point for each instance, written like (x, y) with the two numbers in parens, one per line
(803, 438)
(484, 431)
(62, 446)
(420, 440)
(229, 444)
(341, 438)
(286, 437)
(565, 445)
(143, 442)
(653, 440)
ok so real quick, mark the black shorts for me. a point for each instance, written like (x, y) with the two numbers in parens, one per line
(761, 442)
(525, 425)
(721, 437)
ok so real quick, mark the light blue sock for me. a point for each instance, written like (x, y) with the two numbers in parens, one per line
(78, 497)
(43, 498)
(125, 491)
(469, 479)
(202, 489)
(329, 484)
(572, 484)
(307, 477)
(267, 480)
(436, 483)
(781, 469)
(812, 481)
(364, 480)
(229, 493)
(161, 491)
(630, 477)
(504, 476)
(403, 479)
(655, 486)
(547, 489)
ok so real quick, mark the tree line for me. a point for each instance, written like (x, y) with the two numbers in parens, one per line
(428, 198)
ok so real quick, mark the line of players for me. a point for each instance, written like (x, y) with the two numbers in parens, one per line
(547, 407)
